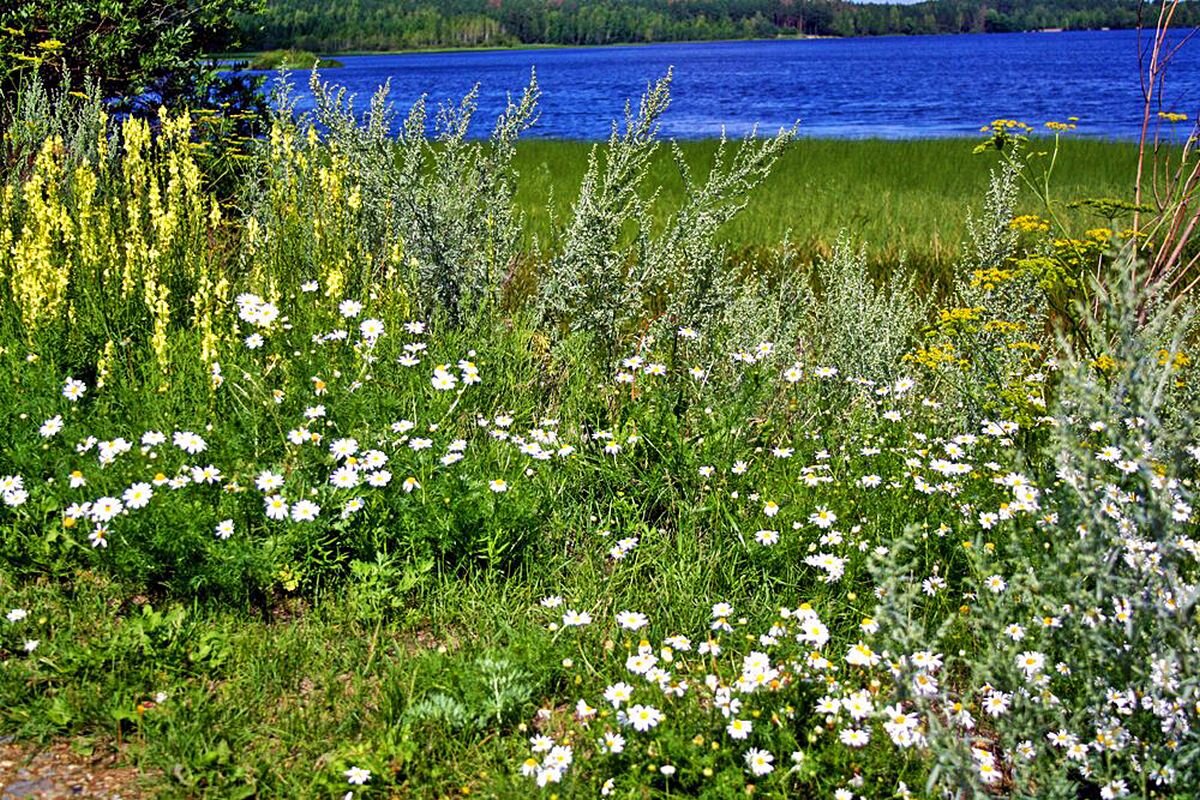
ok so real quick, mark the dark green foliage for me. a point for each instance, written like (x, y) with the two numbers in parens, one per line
(132, 48)
(421, 24)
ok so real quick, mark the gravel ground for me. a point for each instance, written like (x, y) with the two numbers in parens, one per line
(56, 771)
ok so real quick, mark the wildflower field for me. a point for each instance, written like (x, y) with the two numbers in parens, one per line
(323, 478)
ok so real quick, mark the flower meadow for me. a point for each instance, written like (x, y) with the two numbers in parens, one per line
(316, 485)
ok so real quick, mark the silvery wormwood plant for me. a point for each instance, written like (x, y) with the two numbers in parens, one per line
(1104, 693)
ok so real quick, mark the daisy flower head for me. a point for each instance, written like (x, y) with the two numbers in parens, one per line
(137, 496)
(617, 694)
(576, 619)
(443, 380)
(642, 718)
(345, 477)
(357, 776)
(305, 511)
(759, 762)
(73, 390)
(767, 538)
(854, 737)
(268, 481)
(189, 442)
(371, 330)
(276, 507)
(739, 728)
(1031, 662)
(343, 448)
(823, 518)
(153, 438)
(632, 620)
(106, 508)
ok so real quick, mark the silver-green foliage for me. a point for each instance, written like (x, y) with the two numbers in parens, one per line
(615, 273)
(687, 268)
(1113, 574)
(594, 284)
(443, 203)
(861, 328)
(36, 114)
(991, 239)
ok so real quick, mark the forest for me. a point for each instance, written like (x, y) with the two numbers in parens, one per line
(377, 25)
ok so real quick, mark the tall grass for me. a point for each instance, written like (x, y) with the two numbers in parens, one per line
(900, 198)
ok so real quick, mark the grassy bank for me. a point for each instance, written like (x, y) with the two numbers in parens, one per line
(899, 198)
(291, 60)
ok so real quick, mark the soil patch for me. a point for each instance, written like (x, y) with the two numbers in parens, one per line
(58, 770)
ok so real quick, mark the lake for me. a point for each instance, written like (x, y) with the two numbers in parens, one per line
(887, 87)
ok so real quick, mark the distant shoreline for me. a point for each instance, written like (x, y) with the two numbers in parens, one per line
(250, 54)
(247, 55)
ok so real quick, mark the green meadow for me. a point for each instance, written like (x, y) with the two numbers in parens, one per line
(905, 200)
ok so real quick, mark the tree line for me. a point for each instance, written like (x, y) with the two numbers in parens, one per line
(349, 25)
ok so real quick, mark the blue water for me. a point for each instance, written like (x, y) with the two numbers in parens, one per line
(888, 87)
